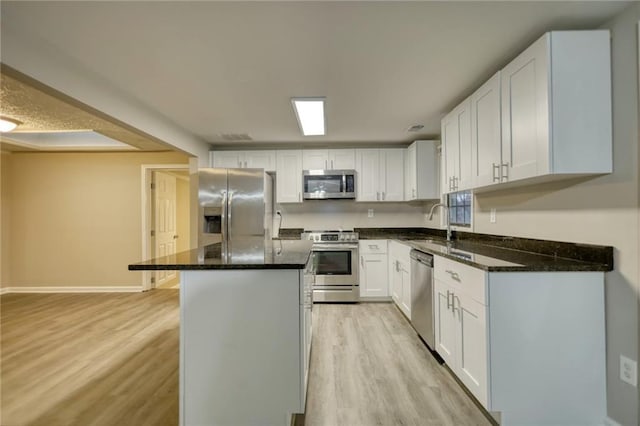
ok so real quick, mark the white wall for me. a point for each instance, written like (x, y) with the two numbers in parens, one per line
(317, 215)
(602, 210)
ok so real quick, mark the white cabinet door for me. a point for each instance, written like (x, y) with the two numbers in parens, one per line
(395, 278)
(368, 170)
(260, 160)
(463, 115)
(405, 301)
(289, 176)
(342, 159)
(410, 175)
(373, 275)
(471, 345)
(392, 174)
(422, 174)
(485, 133)
(525, 112)
(227, 159)
(450, 151)
(445, 324)
(315, 159)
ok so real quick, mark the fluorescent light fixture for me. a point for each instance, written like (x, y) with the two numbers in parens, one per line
(8, 124)
(310, 115)
(66, 140)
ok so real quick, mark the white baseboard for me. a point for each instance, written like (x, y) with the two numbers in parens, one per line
(51, 289)
(608, 421)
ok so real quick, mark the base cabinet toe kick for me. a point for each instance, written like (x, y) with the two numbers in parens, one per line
(245, 343)
(530, 346)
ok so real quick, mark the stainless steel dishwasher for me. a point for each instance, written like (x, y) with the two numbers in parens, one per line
(422, 315)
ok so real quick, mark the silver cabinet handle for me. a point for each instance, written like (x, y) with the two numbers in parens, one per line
(496, 168)
(325, 164)
(175, 237)
(245, 164)
(383, 196)
(505, 171)
(331, 164)
(299, 196)
(377, 196)
(397, 266)
(239, 164)
(453, 303)
(454, 275)
(374, 247)
(413, 193)
(449, 294)
(455, 183)
(362, 261)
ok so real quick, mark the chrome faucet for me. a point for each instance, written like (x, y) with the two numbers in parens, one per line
(446, 211)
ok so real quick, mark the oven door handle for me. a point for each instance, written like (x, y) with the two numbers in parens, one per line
(334, 247)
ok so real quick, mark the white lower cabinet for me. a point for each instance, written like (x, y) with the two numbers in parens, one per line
(400, 276)
(530, 346)
(374, 265)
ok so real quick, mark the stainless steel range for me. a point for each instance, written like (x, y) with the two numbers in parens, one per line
(335, 263)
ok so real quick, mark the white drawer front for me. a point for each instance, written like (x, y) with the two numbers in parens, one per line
(399, 249)
(464, 278)
(373, 246)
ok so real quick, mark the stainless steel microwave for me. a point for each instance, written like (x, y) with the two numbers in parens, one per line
(329, 184)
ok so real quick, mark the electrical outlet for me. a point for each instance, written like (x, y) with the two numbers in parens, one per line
(492, 216)
(628, 370)
(370, 213)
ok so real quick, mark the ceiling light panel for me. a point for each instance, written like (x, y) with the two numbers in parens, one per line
(311, 115)
(7, 124)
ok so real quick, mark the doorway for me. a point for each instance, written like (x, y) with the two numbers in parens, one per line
(166, 217)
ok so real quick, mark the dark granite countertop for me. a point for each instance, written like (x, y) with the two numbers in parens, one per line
(498, 259)
(501, 253)
(244, 253)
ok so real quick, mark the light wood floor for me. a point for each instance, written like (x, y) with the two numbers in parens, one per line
(368, 367)
(112, 359)
(90, 359)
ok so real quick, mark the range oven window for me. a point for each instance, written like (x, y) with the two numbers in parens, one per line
(336, 262)
(328, 184)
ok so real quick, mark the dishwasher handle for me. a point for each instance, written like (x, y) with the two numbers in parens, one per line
(422, 257)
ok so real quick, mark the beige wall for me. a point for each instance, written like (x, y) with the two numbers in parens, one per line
(76, 218)
(5, 200)
(602, 210)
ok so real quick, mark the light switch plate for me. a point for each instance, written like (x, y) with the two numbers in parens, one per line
(628, 371)
(370, 213)
(492, 216)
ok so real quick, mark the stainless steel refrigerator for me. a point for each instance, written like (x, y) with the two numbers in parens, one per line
(235, 205)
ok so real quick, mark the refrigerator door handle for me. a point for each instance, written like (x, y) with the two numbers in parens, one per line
(229, 211)
(223, 227)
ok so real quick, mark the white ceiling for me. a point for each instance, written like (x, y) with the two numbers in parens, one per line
(218, 68)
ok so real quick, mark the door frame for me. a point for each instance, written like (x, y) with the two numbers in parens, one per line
(146, 198)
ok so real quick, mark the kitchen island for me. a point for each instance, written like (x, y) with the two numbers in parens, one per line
(245, 330)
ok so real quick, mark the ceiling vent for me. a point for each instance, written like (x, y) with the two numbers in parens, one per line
(415, 128)
(235, 137)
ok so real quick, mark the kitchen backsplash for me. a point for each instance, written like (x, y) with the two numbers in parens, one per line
(318, 215)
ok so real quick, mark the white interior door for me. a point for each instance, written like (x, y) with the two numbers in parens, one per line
(165, 222)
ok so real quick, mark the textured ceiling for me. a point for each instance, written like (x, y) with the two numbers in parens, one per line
(40, 109)
(221, 70)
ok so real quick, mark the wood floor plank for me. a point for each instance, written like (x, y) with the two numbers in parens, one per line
(112, 359)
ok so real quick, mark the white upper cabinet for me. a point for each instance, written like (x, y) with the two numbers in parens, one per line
(254, 159)
(486, 143)
(556, 107)
(456, 143)
(380, 174)
(421, 180)
(289, 176)
(328, 159)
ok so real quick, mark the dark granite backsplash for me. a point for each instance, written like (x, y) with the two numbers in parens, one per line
(399, 233)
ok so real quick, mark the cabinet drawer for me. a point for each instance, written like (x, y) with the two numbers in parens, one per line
(373, 246)
(464, 278)
(400, 250)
